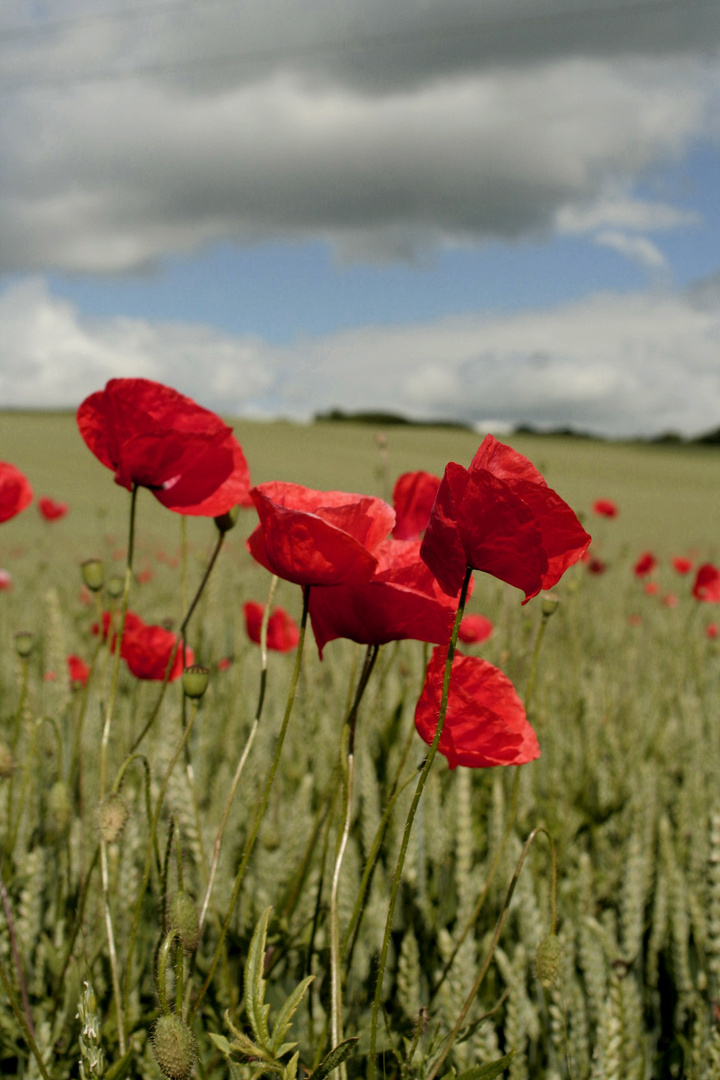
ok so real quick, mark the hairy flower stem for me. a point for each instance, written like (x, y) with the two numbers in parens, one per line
(180, 638)
(245, 753)
(150, 849)
(260, 810)
(496, 937)
(529, 691)
(347, 753)
(22, 1021)
(16, 955)
(409, 823)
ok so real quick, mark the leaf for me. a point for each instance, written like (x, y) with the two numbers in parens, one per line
(284, 1019)
(337, 1055)
(120, 1068)
(488, 1071)
(290, 1070)
(254, 991)
(221, 1042)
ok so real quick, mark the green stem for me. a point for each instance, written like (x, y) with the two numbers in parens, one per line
(260, 810)
(493, 945)
(20, 1017)
(180, 637)
(409, 823)
(533, 666)
(161, 968)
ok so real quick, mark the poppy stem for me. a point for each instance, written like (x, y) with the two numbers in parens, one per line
(409, 823)
(347, 752)
(259, 811)
(180, 638)
(496, 937)
(244, 756)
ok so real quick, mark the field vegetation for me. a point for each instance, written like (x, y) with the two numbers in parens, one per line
(623, 700)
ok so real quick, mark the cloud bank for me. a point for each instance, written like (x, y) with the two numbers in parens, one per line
(614, 365)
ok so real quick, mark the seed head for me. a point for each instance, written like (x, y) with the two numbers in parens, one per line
(174, 1047)
(550, 603)
(93, 574)
(195, 681)
(112, 813)
(548, 960)
(115, 587)
(24, 643)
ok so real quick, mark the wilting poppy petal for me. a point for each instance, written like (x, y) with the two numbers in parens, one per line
(151, 435)
(707, 584)
(78, 670)
(645, 564)
(605, 508)
(485, 723)
(15, 491)
(51, 510)
(401, 600)
(413, 497)
(474, 629)
(501, 517)
(283, 633)
(317, 537)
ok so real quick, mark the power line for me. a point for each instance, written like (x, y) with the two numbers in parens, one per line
(337, 46)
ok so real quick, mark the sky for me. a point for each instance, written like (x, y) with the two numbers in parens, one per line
(501, 212)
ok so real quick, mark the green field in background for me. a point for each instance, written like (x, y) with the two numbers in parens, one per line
(669, 495)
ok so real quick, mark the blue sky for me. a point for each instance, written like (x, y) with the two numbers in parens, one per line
(507, 214)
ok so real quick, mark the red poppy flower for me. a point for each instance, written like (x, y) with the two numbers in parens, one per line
(283, 633)
(224, 663)
(681, 565)
(401, 600)
(51, 510)
(485, 723)
(5, 580)
(651, 588)
(143, 576)
(596, 566)
(474, 628)
(15, 491)
(317, 537)
(605, 508)
(501, 517)
(413, 497)
(712, 630)
(146, 650)
(78, 670)
(670, 600)
(151, 435)
(131, 620)
(707, 584)
(645, 564)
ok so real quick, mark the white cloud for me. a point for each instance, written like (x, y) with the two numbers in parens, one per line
(426, 124)
(615, 365)
(638, 248)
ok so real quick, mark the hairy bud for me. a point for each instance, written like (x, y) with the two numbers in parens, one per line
(174, 1047)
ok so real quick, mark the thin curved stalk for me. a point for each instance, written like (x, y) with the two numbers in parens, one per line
(409, 823)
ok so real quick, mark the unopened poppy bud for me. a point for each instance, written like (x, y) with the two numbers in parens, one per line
(59, 807)
(93, 574)
(174, 1047)
(115, 587)
(195, 681)
(24, 643)
(183, 917)
(548, 960)
(227, 521)
(111, 816)
(550, 604)
(7, 765)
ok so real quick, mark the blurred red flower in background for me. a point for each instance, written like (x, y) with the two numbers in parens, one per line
(147, 649)
(474, 629)
(651, 588)
(15, 491)
(712, 630)
(51, 510)
(501, 517)
(413, 497)
(681, 565)
(283, 633)
(317, 537)
(401, 600)
(707, 584)
(5, 580)
(151, 435)
(645, 564)
(485, 723)
(605, 508)
(78, 670)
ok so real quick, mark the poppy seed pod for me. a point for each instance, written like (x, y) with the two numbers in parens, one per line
(93, 574)
(183, 917)
(227, 521)
(115, 587)
(549, 604)
(174, 1047)
(195, 681)
(24, 643)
